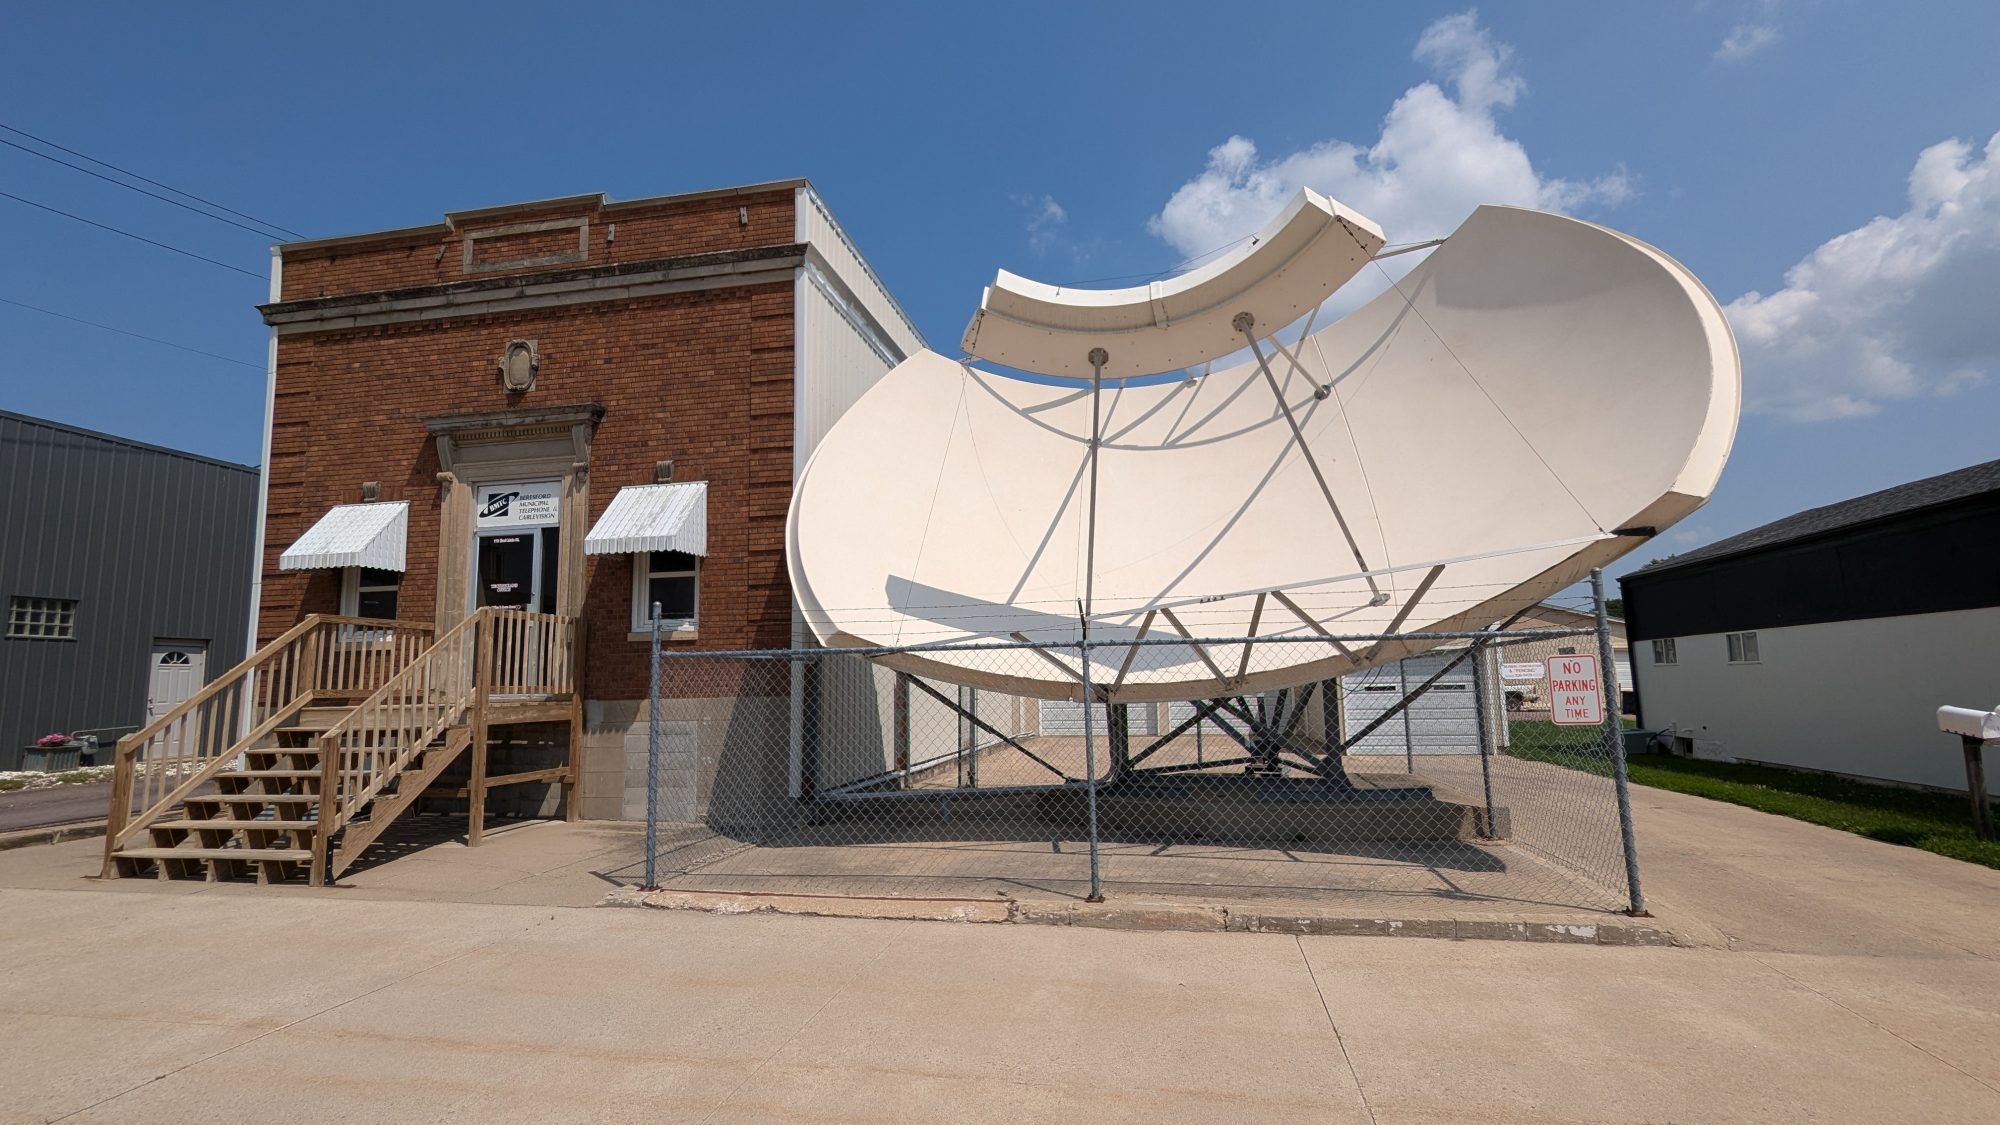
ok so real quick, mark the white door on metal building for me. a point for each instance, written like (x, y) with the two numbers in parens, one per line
(1440, 721)
(1065, 717)
(177, 673)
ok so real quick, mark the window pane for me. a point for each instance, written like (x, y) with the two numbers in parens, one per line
(53, 618)
(675, 595)
(1750, 647)
(662, 561)
(377, 603)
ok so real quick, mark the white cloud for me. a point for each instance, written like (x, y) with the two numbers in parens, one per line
(1439, 155)
(1757, 30)
(1744, 40)
(1897, 308)
(1046, 218)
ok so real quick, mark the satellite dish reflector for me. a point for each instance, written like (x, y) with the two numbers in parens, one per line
(1533, 400)
(1283, 272)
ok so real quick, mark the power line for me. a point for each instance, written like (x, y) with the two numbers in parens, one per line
(143, 179)
(129, 234)
(142, 191)
(134, 335)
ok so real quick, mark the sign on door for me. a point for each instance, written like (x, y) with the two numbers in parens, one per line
(1576, 691)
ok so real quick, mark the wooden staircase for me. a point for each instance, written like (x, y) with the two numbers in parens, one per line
(345, 722)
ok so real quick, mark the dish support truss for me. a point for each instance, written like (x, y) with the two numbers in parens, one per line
(881, 757)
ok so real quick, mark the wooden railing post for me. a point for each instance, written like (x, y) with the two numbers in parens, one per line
(124, 764)
(573, 681)
(329, 807)
(312, 676)
(483, 672)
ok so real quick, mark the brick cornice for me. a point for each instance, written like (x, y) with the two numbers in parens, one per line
(582, 285)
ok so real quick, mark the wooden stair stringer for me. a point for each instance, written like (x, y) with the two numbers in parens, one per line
(384, 808)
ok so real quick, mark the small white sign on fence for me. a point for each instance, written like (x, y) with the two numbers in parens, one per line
(1528, 670)
(1576, 691)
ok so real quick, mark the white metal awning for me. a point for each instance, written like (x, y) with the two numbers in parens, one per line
(653, 517)
(370, 535)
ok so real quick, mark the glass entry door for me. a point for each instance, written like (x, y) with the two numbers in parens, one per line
(518, 569)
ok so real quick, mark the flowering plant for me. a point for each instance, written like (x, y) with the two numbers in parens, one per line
(57, 738)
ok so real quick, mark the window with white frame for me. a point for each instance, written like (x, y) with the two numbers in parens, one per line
(671, 578)
(48, 619)
(367, 592)
(1742, 648)
(1664, 652)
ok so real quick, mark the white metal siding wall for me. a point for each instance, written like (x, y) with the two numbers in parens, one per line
(817, 228)
(836, 366)
(1065, 717)
(1851, 697)
(1440, 721)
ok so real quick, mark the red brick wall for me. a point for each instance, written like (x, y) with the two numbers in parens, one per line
(703, 379)
(655, 230)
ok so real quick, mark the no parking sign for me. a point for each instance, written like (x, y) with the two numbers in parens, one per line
(1576, 691)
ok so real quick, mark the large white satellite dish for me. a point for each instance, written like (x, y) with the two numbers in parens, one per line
(1533, 400)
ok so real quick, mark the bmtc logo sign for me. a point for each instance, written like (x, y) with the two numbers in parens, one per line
(496, 506)
(1576, 691)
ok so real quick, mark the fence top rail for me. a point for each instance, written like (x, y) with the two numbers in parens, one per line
(1488, 636)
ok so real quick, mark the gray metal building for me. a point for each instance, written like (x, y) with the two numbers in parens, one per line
(124, 577)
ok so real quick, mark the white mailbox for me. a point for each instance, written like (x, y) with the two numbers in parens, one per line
(1975, 730)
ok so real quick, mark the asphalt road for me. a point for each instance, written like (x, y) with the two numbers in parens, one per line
(63, 804)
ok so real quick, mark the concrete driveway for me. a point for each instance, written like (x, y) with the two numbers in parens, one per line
(1839, 980)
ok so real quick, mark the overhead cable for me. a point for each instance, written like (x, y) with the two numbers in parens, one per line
(129, 234)
(144, 179)
(142, 191)
(134, 335)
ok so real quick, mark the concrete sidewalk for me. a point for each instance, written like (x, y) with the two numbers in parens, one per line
(1844, 980)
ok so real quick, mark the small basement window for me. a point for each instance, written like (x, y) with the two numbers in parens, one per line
(48, 619)
(366, 592)
(1742, 648)
(1664, 651)
(671, 578)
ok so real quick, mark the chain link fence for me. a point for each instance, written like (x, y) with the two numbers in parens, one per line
(829, 771)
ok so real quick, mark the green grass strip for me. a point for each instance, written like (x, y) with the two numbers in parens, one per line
(1940, 823)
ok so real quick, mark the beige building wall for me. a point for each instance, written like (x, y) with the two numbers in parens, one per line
(1848, 697)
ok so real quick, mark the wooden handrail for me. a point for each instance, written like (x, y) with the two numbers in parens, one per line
(217, 686)
(373, 742)
(204, 733)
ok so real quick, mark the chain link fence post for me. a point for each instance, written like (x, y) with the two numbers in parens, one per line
(1090, 774)
(653, 757)
(1614, 747)
(1480, 722)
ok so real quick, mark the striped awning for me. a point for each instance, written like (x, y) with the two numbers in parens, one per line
(653, 517)
(370, 535)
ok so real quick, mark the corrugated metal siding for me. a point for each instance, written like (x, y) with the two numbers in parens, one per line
(149, 542)
(818, 229)
(1065, 717)
(1440, 721)
(839, 354)
(836, 362)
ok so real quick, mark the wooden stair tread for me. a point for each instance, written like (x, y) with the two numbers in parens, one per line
(266, 855)
(275, 774)
(252, 798)
(227, 824)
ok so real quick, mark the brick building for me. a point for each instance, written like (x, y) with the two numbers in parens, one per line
(455, 408)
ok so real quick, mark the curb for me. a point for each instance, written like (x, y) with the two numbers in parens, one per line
(54, 834)
(1147, 916)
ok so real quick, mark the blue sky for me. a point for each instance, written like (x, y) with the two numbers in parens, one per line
(1820, 166)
